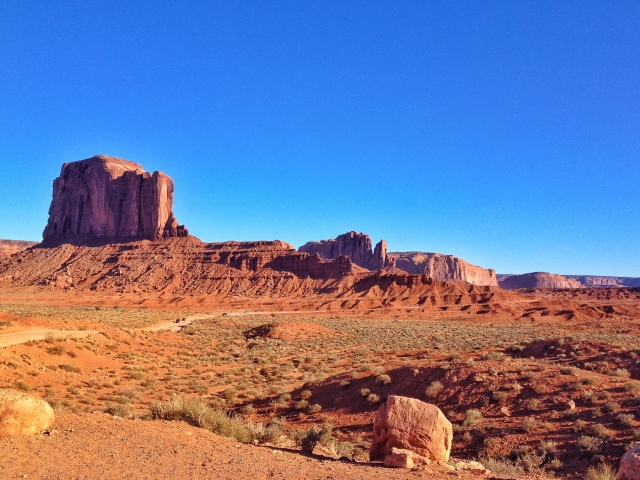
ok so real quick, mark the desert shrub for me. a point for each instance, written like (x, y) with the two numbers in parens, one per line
(72, 354)
(22, 386)
(500, 397)
(301, 405)
(373, 398)
(473, 417)
(633, 387)
(56, 350)
(621, 372)
(636, 434)
(195, 412)
(121, 411)
(533, 404)
(312, 437)
(434, 389)
(501, 467)
(383, 379)
(529, 424)
(589, 444)
(579, 425)
(611, 407)
(69, 368)
(315, 408)
(262, 433)
(600, 431)
(365, 392)
(493, 356)
(305, 394)
(603, 471)
(626, 419)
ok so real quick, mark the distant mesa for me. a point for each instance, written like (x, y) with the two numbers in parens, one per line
(111, 199)
(537, 280)
(444, 268)
(357, 246)
(602, 281)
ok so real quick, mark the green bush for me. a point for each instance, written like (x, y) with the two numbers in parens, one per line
(196, 413)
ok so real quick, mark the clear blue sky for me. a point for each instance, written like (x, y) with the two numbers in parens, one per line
(506, 133)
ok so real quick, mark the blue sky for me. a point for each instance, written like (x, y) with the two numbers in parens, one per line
(506, 133)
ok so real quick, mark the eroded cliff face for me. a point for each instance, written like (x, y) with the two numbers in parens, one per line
(357, 246)
(537, 280)
(445, 268)
(111, 199)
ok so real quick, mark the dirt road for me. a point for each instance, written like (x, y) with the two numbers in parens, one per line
(24, 336)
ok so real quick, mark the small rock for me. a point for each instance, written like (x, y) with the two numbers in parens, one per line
(399, 458)
(571, 405)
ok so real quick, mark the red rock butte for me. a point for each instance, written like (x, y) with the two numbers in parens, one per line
(111, 199)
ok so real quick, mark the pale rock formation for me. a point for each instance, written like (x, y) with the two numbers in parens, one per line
(445, 268)
(600, 281)
(409, 424)
(537, 280)
(110, 198)
(22, 414)
(357, 246)
(630, 464)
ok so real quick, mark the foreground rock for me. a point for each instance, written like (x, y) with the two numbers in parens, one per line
(630, 464)
(408, 432)
(111, 199)
(537, 280)
(22, 414)
(444, 268)
(357, 246)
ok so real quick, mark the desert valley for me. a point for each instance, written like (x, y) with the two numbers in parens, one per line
(164, 356)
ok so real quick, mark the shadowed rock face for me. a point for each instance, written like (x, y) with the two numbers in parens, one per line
(444, 268)
(111, 199)
(357, 246)
(537, 280)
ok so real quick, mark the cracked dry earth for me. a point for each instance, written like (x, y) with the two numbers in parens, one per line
(99, 446)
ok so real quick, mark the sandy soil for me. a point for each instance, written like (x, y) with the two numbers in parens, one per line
(24, 336)
(98, 446)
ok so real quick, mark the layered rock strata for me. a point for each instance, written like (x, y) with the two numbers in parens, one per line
(111, 199)
(357, 246)
(445, 268)
(537, 280)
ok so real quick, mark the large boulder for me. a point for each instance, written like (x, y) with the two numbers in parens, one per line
(111, 199)
(403, 424)
(630, 464)
(22, 414)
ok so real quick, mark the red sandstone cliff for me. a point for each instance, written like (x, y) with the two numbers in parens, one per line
(357, 246)
(111, 199)
(445, 268)
(537, 280)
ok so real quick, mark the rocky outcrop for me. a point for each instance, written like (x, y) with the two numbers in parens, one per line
(600, 281)
(111, 199)
(410, 432)
(536, 280)
(357, 246)
(444, 268)
(22, 414)
(9, 247)
(630, 464)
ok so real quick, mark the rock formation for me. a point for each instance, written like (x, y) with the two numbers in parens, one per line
(445, 268)
(22, 414)
(600, 281)
(630, 464)
(357, 246)
(536, 280)
(9, 247)
(110, 199)
(410, 432)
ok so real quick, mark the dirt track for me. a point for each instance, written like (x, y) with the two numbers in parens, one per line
(24, 336)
